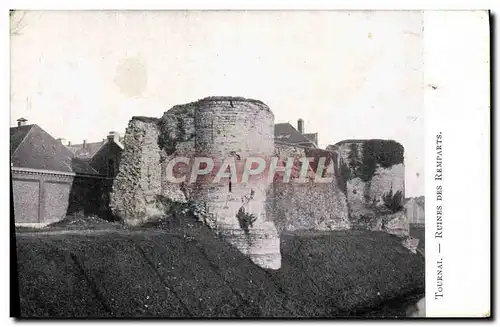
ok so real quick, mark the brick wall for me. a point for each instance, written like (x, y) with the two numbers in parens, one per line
(26, 193)
(43, 197)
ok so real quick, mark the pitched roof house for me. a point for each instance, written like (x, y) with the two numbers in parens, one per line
(88, 150)
(48, 181)
(286, 133)
(33, 148)
(103, 156)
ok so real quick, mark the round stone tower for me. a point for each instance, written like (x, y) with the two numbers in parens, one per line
(231, 129)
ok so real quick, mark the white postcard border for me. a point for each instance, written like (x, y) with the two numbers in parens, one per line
(457, 190)
(472, 175)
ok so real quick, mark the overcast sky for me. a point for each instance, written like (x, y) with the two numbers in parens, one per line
(349, 75)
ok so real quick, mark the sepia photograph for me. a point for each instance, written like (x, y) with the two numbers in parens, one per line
(218, 164)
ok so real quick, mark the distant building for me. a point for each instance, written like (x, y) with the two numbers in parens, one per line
(286, 133)
(415, 210)
(48, 181)
(33, 148)
(103, 156)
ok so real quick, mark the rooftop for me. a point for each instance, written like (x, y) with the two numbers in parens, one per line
(286, 133)
(32, 147)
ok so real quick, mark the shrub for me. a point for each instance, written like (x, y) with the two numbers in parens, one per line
(375, 153)
(245, 220)
(393, 202)
(198, 210)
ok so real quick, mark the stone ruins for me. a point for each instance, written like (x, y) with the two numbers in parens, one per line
(366, 191)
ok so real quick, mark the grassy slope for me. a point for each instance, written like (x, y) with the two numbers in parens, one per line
(185, 271)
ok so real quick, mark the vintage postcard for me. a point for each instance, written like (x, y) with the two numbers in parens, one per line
(250, 164)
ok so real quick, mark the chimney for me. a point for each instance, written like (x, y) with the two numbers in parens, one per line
(63, 141)
(21, 121)
(113, 136)
(69, 143)
(84, 144)
(300, 126)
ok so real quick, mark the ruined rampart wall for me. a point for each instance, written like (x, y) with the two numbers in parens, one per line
(217, 128)
(177, 139)
(239, 129)
(373, 171)
(139, 177)
(366, 180)
(311, 205)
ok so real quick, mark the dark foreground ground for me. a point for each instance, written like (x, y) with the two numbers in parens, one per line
(180, 269)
